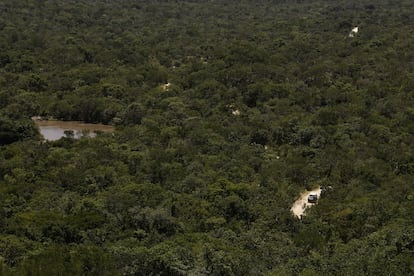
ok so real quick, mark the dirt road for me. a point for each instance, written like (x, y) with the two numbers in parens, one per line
(301, 204)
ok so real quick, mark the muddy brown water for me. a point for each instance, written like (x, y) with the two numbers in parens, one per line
(54, 130)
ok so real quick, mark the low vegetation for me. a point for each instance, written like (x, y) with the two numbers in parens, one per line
(186, 186)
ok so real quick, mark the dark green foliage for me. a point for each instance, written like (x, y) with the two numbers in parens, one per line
(225, 111)
(15, 129)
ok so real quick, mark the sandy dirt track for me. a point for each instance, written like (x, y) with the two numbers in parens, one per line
(301, 204)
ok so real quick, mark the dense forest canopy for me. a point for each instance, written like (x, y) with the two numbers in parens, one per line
(225, 111)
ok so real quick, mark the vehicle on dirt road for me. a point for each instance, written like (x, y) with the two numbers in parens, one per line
(312, 198)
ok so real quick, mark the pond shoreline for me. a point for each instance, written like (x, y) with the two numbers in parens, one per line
(52, 129)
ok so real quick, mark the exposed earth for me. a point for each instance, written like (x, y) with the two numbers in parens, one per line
(301, 204)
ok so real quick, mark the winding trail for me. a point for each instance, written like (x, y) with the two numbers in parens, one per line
(301, 204)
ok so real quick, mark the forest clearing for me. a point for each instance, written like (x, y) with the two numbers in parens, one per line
(300, 206)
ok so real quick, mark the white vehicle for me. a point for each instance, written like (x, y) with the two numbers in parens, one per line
(312, 198)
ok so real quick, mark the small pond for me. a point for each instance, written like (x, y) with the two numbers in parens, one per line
(54, 129)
